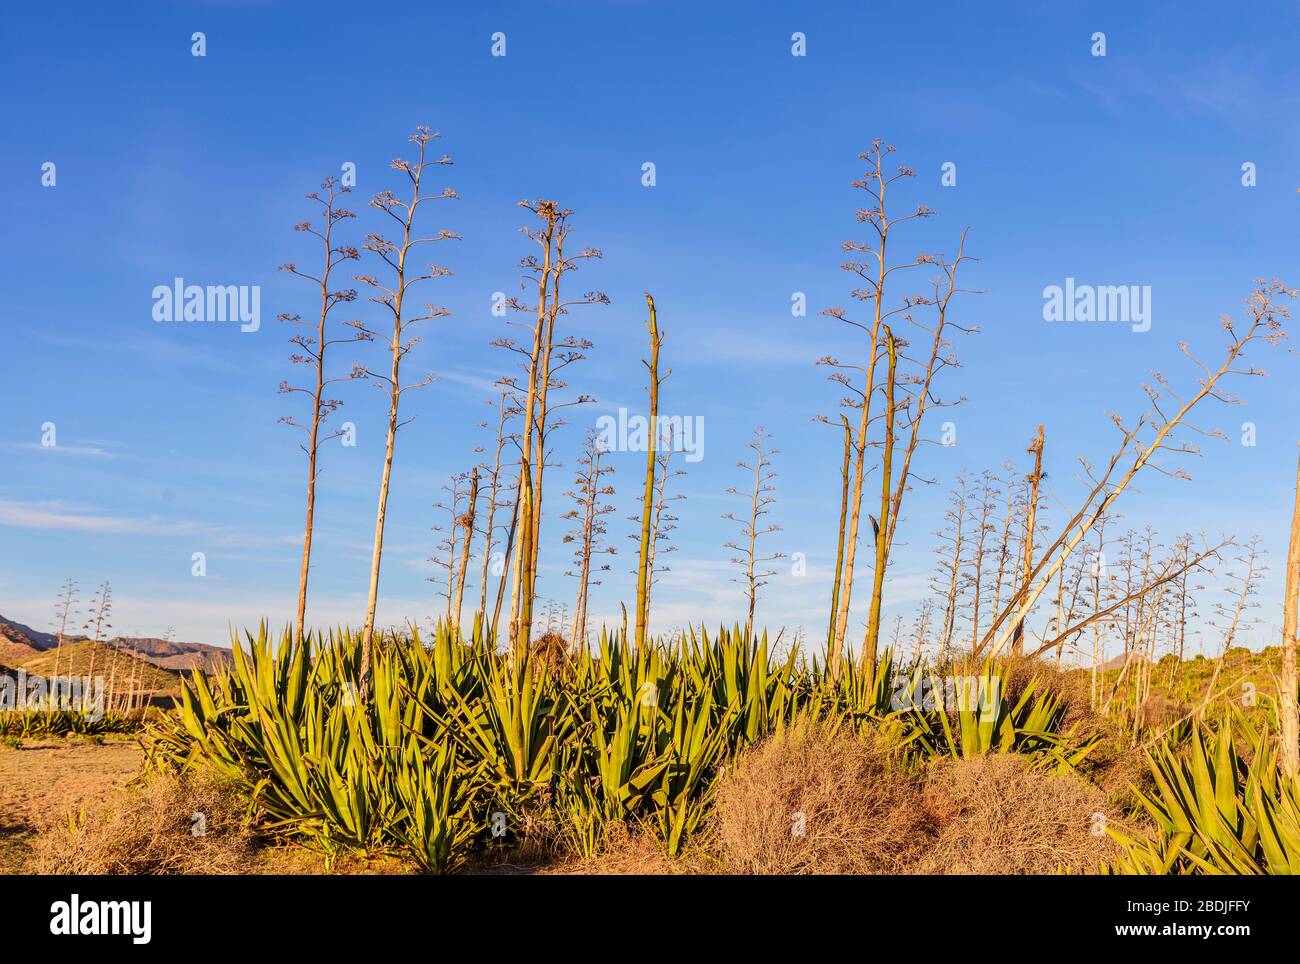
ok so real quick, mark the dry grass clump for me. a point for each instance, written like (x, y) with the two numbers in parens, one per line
(863, 814)
(630, 850)
(551, 649)
(1159, 712)
(995, 815)
(1118, 770)
(152, 828)
(288, 859)
(816, 802)
(1070, 686)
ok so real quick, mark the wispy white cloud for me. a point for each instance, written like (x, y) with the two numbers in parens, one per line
(1228, 84)
(721, 348)
(61, 515)
(58, 515)
(93, 451)
(474, 378)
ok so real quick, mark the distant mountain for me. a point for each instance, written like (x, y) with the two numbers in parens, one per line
(34, 637)
(172, 655)
(1118, 662)
(20, 643)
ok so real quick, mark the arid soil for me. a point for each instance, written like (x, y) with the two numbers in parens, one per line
(44, 779)
(991, 815)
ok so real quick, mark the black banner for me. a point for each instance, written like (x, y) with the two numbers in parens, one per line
(137, 915)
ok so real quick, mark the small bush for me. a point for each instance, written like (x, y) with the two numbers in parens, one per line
(816, 802)
(994, 815)
(167, 824)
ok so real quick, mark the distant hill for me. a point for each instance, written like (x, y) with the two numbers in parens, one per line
(173, 655)
(110, 664)
(17, 632)
(1118, 662)
(19, 643)
(11, 652)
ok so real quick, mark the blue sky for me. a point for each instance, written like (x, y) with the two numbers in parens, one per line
(1123, 169)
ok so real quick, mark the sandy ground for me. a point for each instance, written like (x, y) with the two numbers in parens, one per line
(46, 778)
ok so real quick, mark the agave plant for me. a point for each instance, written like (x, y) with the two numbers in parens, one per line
(436, 823)
(451, 731)
(513, 725)
(740, 673)
(695, 746)
(33, 723)
(609, 770)
(319, 762)
(1214, 814)
(973, 717)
